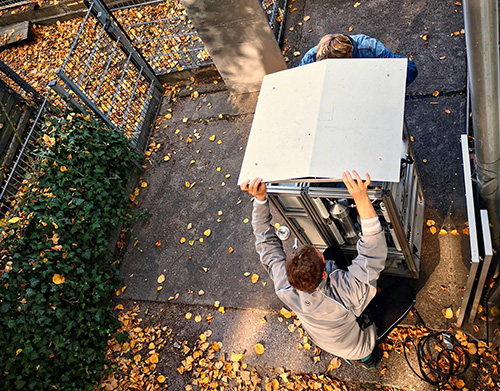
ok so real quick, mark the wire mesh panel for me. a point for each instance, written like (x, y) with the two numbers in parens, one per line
(162, 31)
(105, 73)
(18, 103)
(5, 4)
(14, 183)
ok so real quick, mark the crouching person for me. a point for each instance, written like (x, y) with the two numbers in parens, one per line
(330, 301)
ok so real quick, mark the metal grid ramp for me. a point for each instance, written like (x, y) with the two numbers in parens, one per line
(104, 72)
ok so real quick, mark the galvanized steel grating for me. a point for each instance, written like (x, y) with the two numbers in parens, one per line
(162, 31)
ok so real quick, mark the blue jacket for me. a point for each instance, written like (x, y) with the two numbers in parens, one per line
(364, 46)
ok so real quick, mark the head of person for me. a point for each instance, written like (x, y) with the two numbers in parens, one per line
(305, 268)
(334, 46)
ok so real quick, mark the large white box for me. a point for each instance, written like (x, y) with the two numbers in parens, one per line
(314, 122)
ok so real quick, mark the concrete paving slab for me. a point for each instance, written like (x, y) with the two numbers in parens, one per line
(210, 197)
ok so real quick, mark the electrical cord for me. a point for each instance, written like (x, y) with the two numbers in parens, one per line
(440, 356)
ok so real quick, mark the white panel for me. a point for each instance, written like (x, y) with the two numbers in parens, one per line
(324, 118)
(282, 136)
(361, 119)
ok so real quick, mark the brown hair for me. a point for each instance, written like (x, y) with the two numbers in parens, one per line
(334, 46)
(304, 268)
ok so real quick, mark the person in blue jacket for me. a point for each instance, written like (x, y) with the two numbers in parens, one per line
(353, 46)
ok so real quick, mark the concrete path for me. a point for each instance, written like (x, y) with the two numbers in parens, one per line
(195, 191)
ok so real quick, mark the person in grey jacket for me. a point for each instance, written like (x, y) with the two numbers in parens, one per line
(330, 302)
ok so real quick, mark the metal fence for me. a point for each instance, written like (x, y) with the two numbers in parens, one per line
(162, 31)
(103, 72)
(14, 183)
(5, 4)
(18, 105)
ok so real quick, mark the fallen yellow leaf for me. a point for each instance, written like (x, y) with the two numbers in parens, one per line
(255, 278)
(236, 357)
(207, 232)
(58, 279)
(161, 379)
(13, 220)
(433, 230)
(259, 349)
(442, 231)
(212, 137)
(334, 364)
(430, 222)
(447, 313)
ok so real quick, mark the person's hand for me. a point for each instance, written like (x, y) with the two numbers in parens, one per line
(256, 187)
(358, 189)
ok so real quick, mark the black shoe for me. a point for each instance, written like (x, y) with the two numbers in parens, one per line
(373, 359)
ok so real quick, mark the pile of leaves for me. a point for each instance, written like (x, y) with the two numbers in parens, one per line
(139, 349)
(133, 353)
(38, 59)
(56, 270)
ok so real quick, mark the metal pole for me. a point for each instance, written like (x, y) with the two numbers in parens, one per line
(481, 27)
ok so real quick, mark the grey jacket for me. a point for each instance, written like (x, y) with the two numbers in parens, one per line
(329, 313)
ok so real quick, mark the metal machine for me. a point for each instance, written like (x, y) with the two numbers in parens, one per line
(314, 122)
(323, 214)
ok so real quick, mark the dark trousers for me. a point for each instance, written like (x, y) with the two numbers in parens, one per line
(389, 307)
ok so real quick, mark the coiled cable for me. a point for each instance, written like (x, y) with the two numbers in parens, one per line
(440, 356)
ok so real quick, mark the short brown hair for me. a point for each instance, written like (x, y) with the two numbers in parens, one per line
(304, 268)
(334, 46)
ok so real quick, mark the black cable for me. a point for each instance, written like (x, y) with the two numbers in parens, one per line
(440, 356)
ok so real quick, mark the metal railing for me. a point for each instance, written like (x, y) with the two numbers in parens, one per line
(6, 4)
(105, 73)
(15, 183)
(18, 105)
